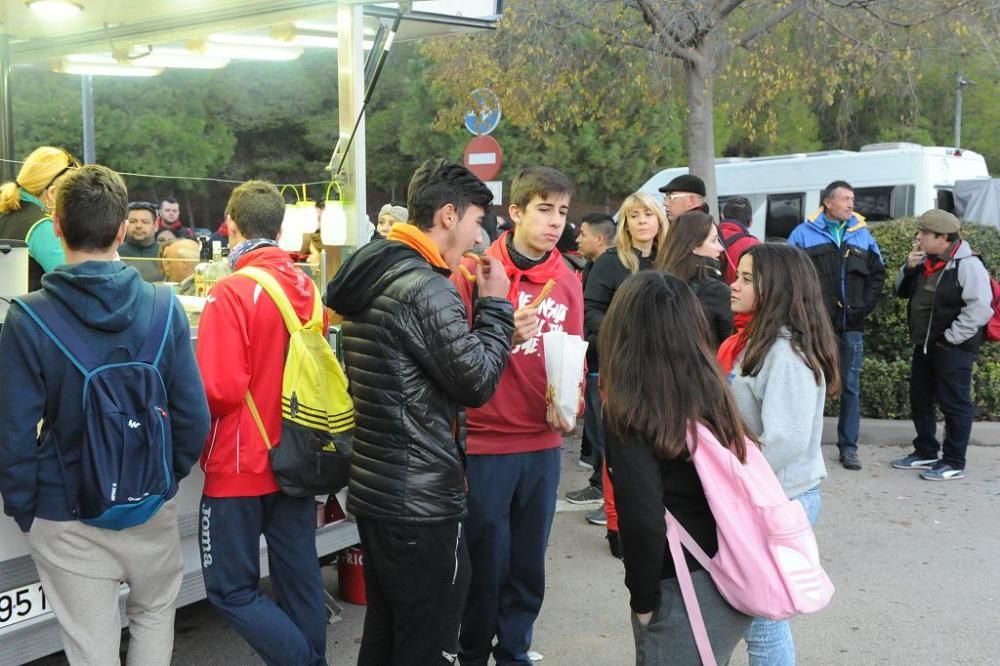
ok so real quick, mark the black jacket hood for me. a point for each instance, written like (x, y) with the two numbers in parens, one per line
(368, 271)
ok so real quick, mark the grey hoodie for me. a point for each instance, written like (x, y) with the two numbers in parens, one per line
(783, 405)
(954, 304)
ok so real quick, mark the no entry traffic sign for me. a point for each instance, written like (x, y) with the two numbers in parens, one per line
(483, 157)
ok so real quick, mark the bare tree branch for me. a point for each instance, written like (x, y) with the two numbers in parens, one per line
(657, 21)
(750, 36)
(727, 8)
(664, 39)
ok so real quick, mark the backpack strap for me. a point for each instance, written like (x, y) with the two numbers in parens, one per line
(60, 331)
(255, 413)
(152, 347)
(675, 535)
(64, 334)
(280, 298)
(729, 242)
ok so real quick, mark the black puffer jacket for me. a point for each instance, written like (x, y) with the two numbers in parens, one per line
(413, 363)
(605, 276)
(713, 294)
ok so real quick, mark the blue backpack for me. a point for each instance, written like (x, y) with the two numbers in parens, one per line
(125, 459)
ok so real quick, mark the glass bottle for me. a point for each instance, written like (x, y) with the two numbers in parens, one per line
(201, 271)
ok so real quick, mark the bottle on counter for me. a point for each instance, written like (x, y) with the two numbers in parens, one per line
(212, 268)
(220, 264)
(201, 270)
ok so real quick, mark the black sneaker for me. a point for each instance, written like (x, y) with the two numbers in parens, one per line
(850, 460)
(588, 495)
(614, 544)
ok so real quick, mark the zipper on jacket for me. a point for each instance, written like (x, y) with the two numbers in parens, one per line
(458, 537)
(215, 434)
(843, 279)
(930, 320)
(842, 256)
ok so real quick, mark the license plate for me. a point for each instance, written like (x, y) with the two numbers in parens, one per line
(22, 604)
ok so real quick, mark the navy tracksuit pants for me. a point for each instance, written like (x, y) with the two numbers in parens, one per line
(290, 630)
(511, 499)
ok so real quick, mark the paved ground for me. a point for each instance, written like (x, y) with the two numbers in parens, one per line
(915, 564)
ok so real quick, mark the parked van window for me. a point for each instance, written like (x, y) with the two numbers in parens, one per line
(784, 213)
(884, 203)
(946, 200)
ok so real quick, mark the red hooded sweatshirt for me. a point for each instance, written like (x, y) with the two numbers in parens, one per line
(513, 421)
(242, 341)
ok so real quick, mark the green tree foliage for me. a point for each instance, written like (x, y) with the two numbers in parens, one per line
(284, 117)
(46, 111)
(599, 111)
(160, 126)
(398, 130)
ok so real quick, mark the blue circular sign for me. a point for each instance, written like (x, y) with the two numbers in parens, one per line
(482, 113)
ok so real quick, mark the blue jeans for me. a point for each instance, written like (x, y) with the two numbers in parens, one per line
(769, 642)
(943, 377)
(852, 355)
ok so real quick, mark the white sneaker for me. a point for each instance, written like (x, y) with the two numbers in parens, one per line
(535, 656)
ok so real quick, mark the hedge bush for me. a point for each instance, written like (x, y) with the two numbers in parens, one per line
(885, 376)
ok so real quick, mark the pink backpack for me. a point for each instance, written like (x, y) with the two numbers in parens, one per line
(767, 564)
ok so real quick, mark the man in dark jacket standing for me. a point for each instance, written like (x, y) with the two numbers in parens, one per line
(949, 292)
(413, 364)
(851, 275)
(109, 308)
(597, 235)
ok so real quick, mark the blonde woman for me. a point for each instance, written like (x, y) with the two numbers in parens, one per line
(24, 209)
(642, 231)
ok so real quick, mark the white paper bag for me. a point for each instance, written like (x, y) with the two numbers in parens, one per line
(564, 360)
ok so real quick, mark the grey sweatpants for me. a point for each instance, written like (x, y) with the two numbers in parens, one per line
(81, 568)
(668, 639)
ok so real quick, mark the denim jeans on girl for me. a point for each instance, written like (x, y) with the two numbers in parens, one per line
(769, 642)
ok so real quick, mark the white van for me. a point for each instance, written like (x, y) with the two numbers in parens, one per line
(890, 180)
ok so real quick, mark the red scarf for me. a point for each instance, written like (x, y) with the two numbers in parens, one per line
(733, 346)
(933, 266)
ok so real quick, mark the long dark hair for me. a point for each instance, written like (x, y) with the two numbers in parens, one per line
(677, 254)
(787, 295)
(658, 374)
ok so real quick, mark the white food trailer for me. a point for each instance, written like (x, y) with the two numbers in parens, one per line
(362, 31)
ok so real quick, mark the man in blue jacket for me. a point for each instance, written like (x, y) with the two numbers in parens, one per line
(109, 308)
(851, 275)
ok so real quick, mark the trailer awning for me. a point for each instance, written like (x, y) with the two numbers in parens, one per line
(125, 28)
